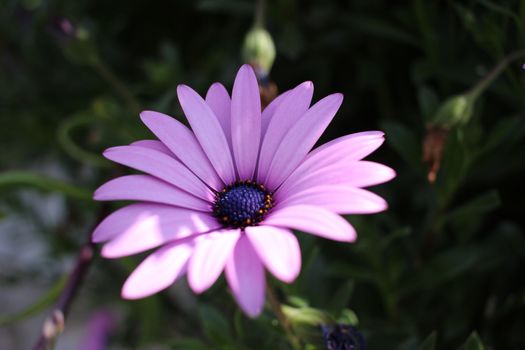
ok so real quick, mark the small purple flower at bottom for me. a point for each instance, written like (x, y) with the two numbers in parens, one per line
(101, 324)
(343, 337)
(226, 194)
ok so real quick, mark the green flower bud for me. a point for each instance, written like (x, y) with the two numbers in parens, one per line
(306, 316)
(259, 49)
(457, 110)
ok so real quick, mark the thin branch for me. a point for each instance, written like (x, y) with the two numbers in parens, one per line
(285, 323)
(118, 86)
(55, 322)
(260, 10)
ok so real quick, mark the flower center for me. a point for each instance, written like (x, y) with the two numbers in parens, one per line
(245, 203)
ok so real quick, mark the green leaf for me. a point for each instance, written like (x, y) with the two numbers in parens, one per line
(403, 140)
(456, 161)
(297, 301)
(235, 7)
(150, 313)
(473, 343)
(72, 148)
(430, 342)
(44, 302)
(26, 178)
(341, 297)
(380, 28)
(215, 326)
(306, 315)
(346, 270)
(401, 232)
(479, 205)
(348, 317)
(188, 344)
(507, 130)
(444, 267)
(428, 102)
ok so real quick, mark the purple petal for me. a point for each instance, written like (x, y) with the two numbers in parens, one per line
(153, 144)
(314, 220)
(102, 323)
(182, 142)
(268, 113)
(278, 249)
(158, 271)
(301, 138)
(209, 258)
(149, 189)
(353, 174)
(293, 106)
(245, 276)
(157, 222)
(139, 227)
(208, 131)
(161, 166)
(246, 122)
(340, 199)
(351, 147)
(219, 101)
(354, 146)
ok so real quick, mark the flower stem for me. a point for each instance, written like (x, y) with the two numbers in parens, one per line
(259, 16)
(55, 322)
(495, 72)
(285, 323)
(118, 86)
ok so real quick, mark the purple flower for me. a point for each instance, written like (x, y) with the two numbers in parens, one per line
(343, 337)
(226, 194)
(101, 324)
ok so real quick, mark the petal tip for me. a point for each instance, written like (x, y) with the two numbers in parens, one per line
(97, 236)
(246, 71)
(289, 279)
(108, 152)
(107, 252)
(252, 313)
(149, 118)
(129, 293)
(217, 85)
(182, 87)
(308, 84)
(147, 114)
(246, 66)
(97, 195)
(196, 287)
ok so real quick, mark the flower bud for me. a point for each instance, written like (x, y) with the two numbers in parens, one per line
(259, 50)
(457, 110)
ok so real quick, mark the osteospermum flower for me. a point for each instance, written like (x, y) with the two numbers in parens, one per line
(225, 195)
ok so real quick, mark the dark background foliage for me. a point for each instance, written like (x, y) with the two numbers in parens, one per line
(447, 259)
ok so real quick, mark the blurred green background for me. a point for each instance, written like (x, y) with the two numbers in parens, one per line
(445, 263)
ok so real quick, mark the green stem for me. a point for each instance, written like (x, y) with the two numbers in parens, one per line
(27, 178)
(55, 322)
(118, 86)
(260, 9)
(494, 73)
(285, 323)
(74, 150)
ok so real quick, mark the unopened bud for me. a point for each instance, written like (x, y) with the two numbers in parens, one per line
(457, 110)
(75, 41)
(259, 50)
